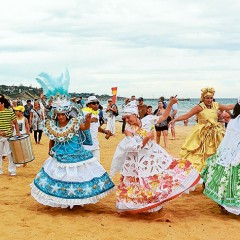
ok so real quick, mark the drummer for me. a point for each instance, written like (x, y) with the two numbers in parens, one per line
(22, 121)
(23, 125)
(7, 118)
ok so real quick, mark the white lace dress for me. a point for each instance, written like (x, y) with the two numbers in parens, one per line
(149, 175)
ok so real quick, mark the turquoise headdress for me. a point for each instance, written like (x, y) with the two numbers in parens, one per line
(56, 89)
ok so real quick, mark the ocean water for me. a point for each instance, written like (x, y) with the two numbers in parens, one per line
(183, 106)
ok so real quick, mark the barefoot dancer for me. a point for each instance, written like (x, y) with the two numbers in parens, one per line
(71, 175)
(149, 175)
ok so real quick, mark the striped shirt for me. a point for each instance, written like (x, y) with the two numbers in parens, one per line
(6, 118)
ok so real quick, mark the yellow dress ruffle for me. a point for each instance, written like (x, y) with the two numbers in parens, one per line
(205, 137)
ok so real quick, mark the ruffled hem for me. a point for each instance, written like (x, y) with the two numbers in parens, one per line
(77, 164)
(233, 209)
(186, 192)
(185, 187)
(76, 172)
(52, 201)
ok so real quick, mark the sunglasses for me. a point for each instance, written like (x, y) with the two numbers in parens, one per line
(94, 103)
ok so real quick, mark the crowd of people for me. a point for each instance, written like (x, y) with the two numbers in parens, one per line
(73, 175)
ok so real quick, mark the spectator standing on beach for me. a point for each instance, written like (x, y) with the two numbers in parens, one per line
(162, 99)
(81, 102)
(7, 119)
(111, 110)
(91, 143)
(13, 103)
(227, 117)
(47, 106)
(19, 102)
(142, 108)
(173, 115)
(100, 114)
(36, 121)
(206, 135)
(127, 100)
(28, 107)
(149, 111)
(162, 127)
(133, 98)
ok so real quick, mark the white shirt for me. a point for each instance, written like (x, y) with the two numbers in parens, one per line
(21, 126)
(94, 133)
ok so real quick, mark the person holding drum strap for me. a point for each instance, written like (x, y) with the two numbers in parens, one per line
(22, 121)
(7, 118)
(23, 125)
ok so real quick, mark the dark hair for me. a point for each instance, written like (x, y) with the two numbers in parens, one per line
(68, 116)
(149, 107)
(19, 103)
(5, 101)
(29, 101)
(100, 107)
(236, 111)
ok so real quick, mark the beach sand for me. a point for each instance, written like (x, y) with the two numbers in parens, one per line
(191, 217)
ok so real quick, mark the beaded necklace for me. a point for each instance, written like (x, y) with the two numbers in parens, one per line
(62, 134)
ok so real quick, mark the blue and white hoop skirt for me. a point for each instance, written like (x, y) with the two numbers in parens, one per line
(71, 177)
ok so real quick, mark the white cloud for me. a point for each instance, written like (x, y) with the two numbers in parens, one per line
(146, 48)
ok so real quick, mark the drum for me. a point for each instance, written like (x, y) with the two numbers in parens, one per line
(21, 149)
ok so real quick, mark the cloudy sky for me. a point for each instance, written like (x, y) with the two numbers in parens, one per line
(146, 48)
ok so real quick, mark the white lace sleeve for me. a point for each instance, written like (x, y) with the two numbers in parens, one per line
(149, 121)
(128, 144)
(236, 160)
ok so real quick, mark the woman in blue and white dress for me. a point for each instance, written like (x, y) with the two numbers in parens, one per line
(71, 175)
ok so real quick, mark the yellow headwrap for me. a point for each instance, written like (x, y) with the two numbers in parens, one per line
(207, 92)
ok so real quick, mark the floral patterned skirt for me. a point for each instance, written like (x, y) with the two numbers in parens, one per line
(148, 193)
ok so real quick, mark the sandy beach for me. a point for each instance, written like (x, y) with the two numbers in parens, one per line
(191, 217)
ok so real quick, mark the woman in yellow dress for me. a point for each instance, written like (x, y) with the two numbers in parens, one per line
(207, 134)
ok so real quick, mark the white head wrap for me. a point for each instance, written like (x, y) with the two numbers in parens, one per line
(131, 108)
